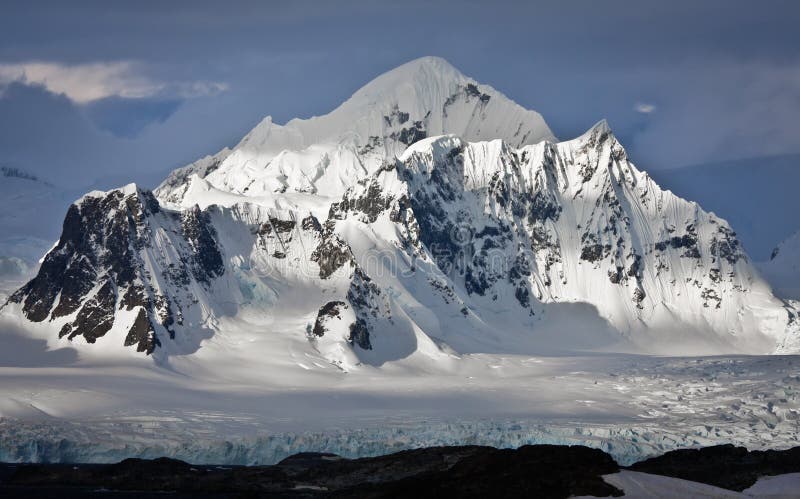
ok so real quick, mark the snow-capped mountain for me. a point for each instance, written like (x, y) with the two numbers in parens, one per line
(427, 216)
(782, 270)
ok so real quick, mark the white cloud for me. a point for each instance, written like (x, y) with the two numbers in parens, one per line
(644, 108)
(200, 88)
(84, 83)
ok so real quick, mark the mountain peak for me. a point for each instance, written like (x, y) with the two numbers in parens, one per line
(599, 128)
(326, 154)
(430, 64)
(125, 190)
(425, 72)
(433, 61)
(427, 92)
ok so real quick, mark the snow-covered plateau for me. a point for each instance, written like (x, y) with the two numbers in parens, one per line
(426, 264)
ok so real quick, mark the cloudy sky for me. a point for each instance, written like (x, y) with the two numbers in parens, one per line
(105, 92)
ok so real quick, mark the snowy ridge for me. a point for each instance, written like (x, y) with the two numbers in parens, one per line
(174, 186)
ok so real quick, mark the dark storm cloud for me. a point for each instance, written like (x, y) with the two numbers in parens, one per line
(56, 139)
(720, 78)
(46, 131)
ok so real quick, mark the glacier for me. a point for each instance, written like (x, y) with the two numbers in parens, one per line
(632, 407)
(24, 442)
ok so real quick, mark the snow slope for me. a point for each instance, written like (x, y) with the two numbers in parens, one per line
(757, 196)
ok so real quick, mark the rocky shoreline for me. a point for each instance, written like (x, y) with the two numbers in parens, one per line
(465, 471)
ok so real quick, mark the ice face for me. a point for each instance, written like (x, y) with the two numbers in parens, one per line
(43, 443)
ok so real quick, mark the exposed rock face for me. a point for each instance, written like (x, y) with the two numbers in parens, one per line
(206, 259)
(96, 317)
(331, 310)
(365, 298)
(141, 334)
(331, 254)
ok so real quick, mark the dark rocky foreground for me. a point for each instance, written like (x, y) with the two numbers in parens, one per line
(725, 466)
(472, 471)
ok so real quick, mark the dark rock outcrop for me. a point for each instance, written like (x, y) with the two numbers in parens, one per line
(531, 471)
(544, 471)
(104, 260)
(547, 471)
(726, 466)
(206, 259)
(141, 334)
(331, 310)
(95, 318)
(331, 255)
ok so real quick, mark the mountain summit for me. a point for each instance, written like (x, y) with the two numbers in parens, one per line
(326, 154)
(425, 218)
